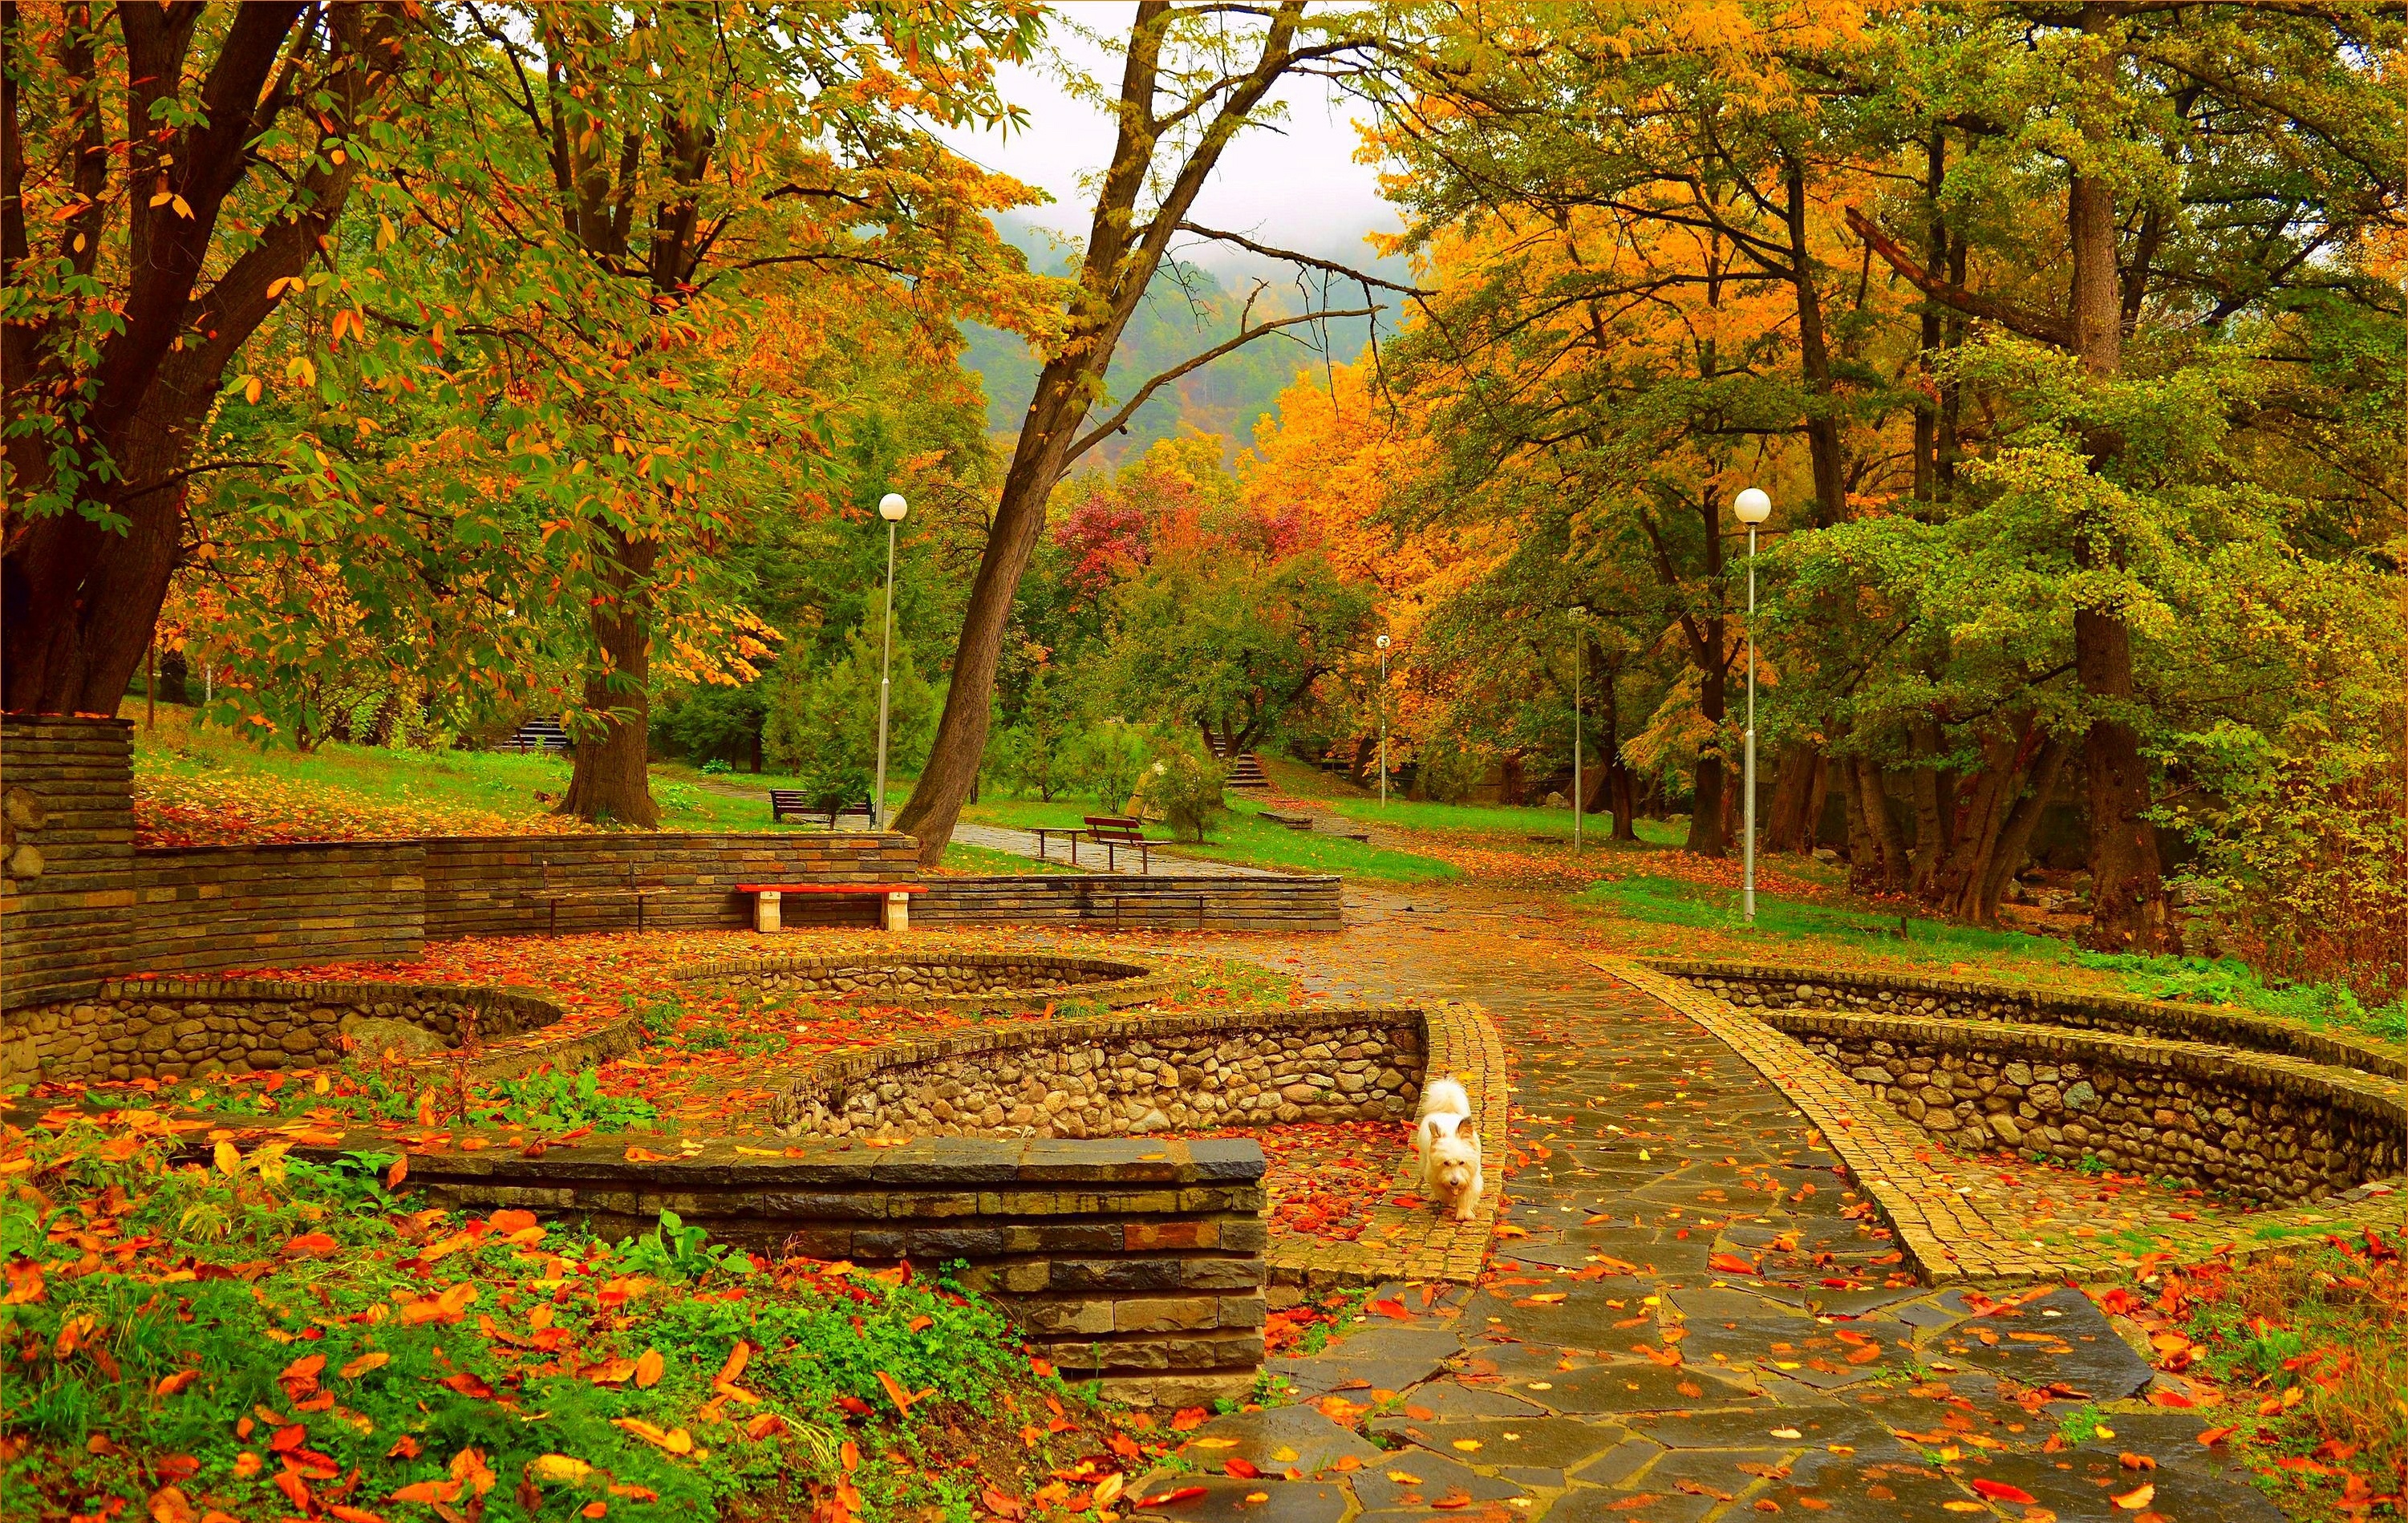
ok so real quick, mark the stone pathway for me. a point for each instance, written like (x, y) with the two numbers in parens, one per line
(1690, 1314)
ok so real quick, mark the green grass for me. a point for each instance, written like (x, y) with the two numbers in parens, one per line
(964, 857)
(417, 1328)
(402, 792)
(1500, 819)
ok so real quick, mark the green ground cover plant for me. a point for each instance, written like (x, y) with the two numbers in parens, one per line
(472, 1365)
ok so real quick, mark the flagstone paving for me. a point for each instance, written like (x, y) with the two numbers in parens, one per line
(1690, 1315)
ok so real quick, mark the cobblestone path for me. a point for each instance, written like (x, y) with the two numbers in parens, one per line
(1688, 1316)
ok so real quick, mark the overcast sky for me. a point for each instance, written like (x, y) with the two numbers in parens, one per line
(1294, 184)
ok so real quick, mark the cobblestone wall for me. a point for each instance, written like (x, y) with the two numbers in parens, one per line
(1138, 1264)
(2256, 1126)
(1121, 1076)
(171, 1029)
(1755, 987)
(966, 980)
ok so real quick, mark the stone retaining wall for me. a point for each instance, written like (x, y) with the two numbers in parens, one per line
(66, 855)
(172, 1028)
(1138, 1264)
(203, 908)
(2253, 1125)
(944, 980)
(1757, 987)
(1159, 902)
(491, 885)
(1120, 1076)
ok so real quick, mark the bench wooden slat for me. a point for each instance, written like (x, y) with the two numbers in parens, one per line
(829, 887)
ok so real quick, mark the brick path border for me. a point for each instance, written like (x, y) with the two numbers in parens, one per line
(1400, 1243)
(1933, 1201)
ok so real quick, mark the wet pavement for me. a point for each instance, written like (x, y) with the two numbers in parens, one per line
(1689, 1314)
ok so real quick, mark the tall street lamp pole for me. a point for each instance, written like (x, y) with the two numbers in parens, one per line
(1580, 638)
(1752, 507)
(891, 507)
(1383, 643)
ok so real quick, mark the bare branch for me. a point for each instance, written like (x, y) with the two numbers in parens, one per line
(1309, 261)
(1114, 423)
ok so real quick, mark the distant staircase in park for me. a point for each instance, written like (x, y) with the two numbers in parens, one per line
(1246, 772)
(541, 734)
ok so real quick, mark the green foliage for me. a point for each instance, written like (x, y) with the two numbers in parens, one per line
(823, 721)
(384, 1312)
(2231, 981)
(550, 1101)
(1183, 789)
(1107, 759)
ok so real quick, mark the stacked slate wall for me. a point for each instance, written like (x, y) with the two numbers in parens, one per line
(66, 849)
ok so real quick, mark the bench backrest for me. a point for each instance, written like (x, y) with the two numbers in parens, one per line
(1112, 827)
(786, 798)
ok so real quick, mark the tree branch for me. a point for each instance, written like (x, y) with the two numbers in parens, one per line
(1307, 260)
(2048, 329)
(1114, 425)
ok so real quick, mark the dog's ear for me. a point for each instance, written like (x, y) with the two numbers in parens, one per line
(1465, 1131)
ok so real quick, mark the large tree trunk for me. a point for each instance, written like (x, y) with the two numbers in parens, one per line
(77, 603)
(611, 783)
(1826, 452)
(1707, 838)
(1122, 256)
(1036, 464)
(1795, 814)
(1880, 866)
(2127, 886)
(2004, 802)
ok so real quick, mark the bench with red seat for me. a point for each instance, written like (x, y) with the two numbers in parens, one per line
(769, 897)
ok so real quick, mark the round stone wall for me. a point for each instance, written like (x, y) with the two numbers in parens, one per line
(170, 1029)
(1120, 1076)
(955, 980)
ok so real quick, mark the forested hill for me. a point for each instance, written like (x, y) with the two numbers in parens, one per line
(1185, 312)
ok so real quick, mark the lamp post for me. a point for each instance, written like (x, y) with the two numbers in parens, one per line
(1752, 507)
(1383, 643)
(891, 507)
(1579, 637)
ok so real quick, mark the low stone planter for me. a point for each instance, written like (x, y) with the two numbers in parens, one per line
(1119, 1076)
(1756, 986)
(953, 980)
(2211, 1099)
(170, 1029)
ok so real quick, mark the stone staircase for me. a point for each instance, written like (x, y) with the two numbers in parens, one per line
(1246, 772)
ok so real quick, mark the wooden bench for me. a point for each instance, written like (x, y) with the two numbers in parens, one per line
(769, 897)
(791, 801)
(1111, 832)
(555, 894)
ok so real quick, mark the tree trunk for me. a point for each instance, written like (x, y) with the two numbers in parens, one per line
(1883, 866)
(1626, 805)
(1509, 792)
(2003, 801)
(611, 783)
(1825, 447)
(1934, 798)
(2127, 886)
(1798, 781)
(1935, 253)
(1707, 838)
(1122, 256)
(78, 603)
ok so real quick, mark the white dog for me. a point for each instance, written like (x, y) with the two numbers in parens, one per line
(1450, 1149)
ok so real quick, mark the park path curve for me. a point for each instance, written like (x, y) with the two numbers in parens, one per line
(1690, 1314)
